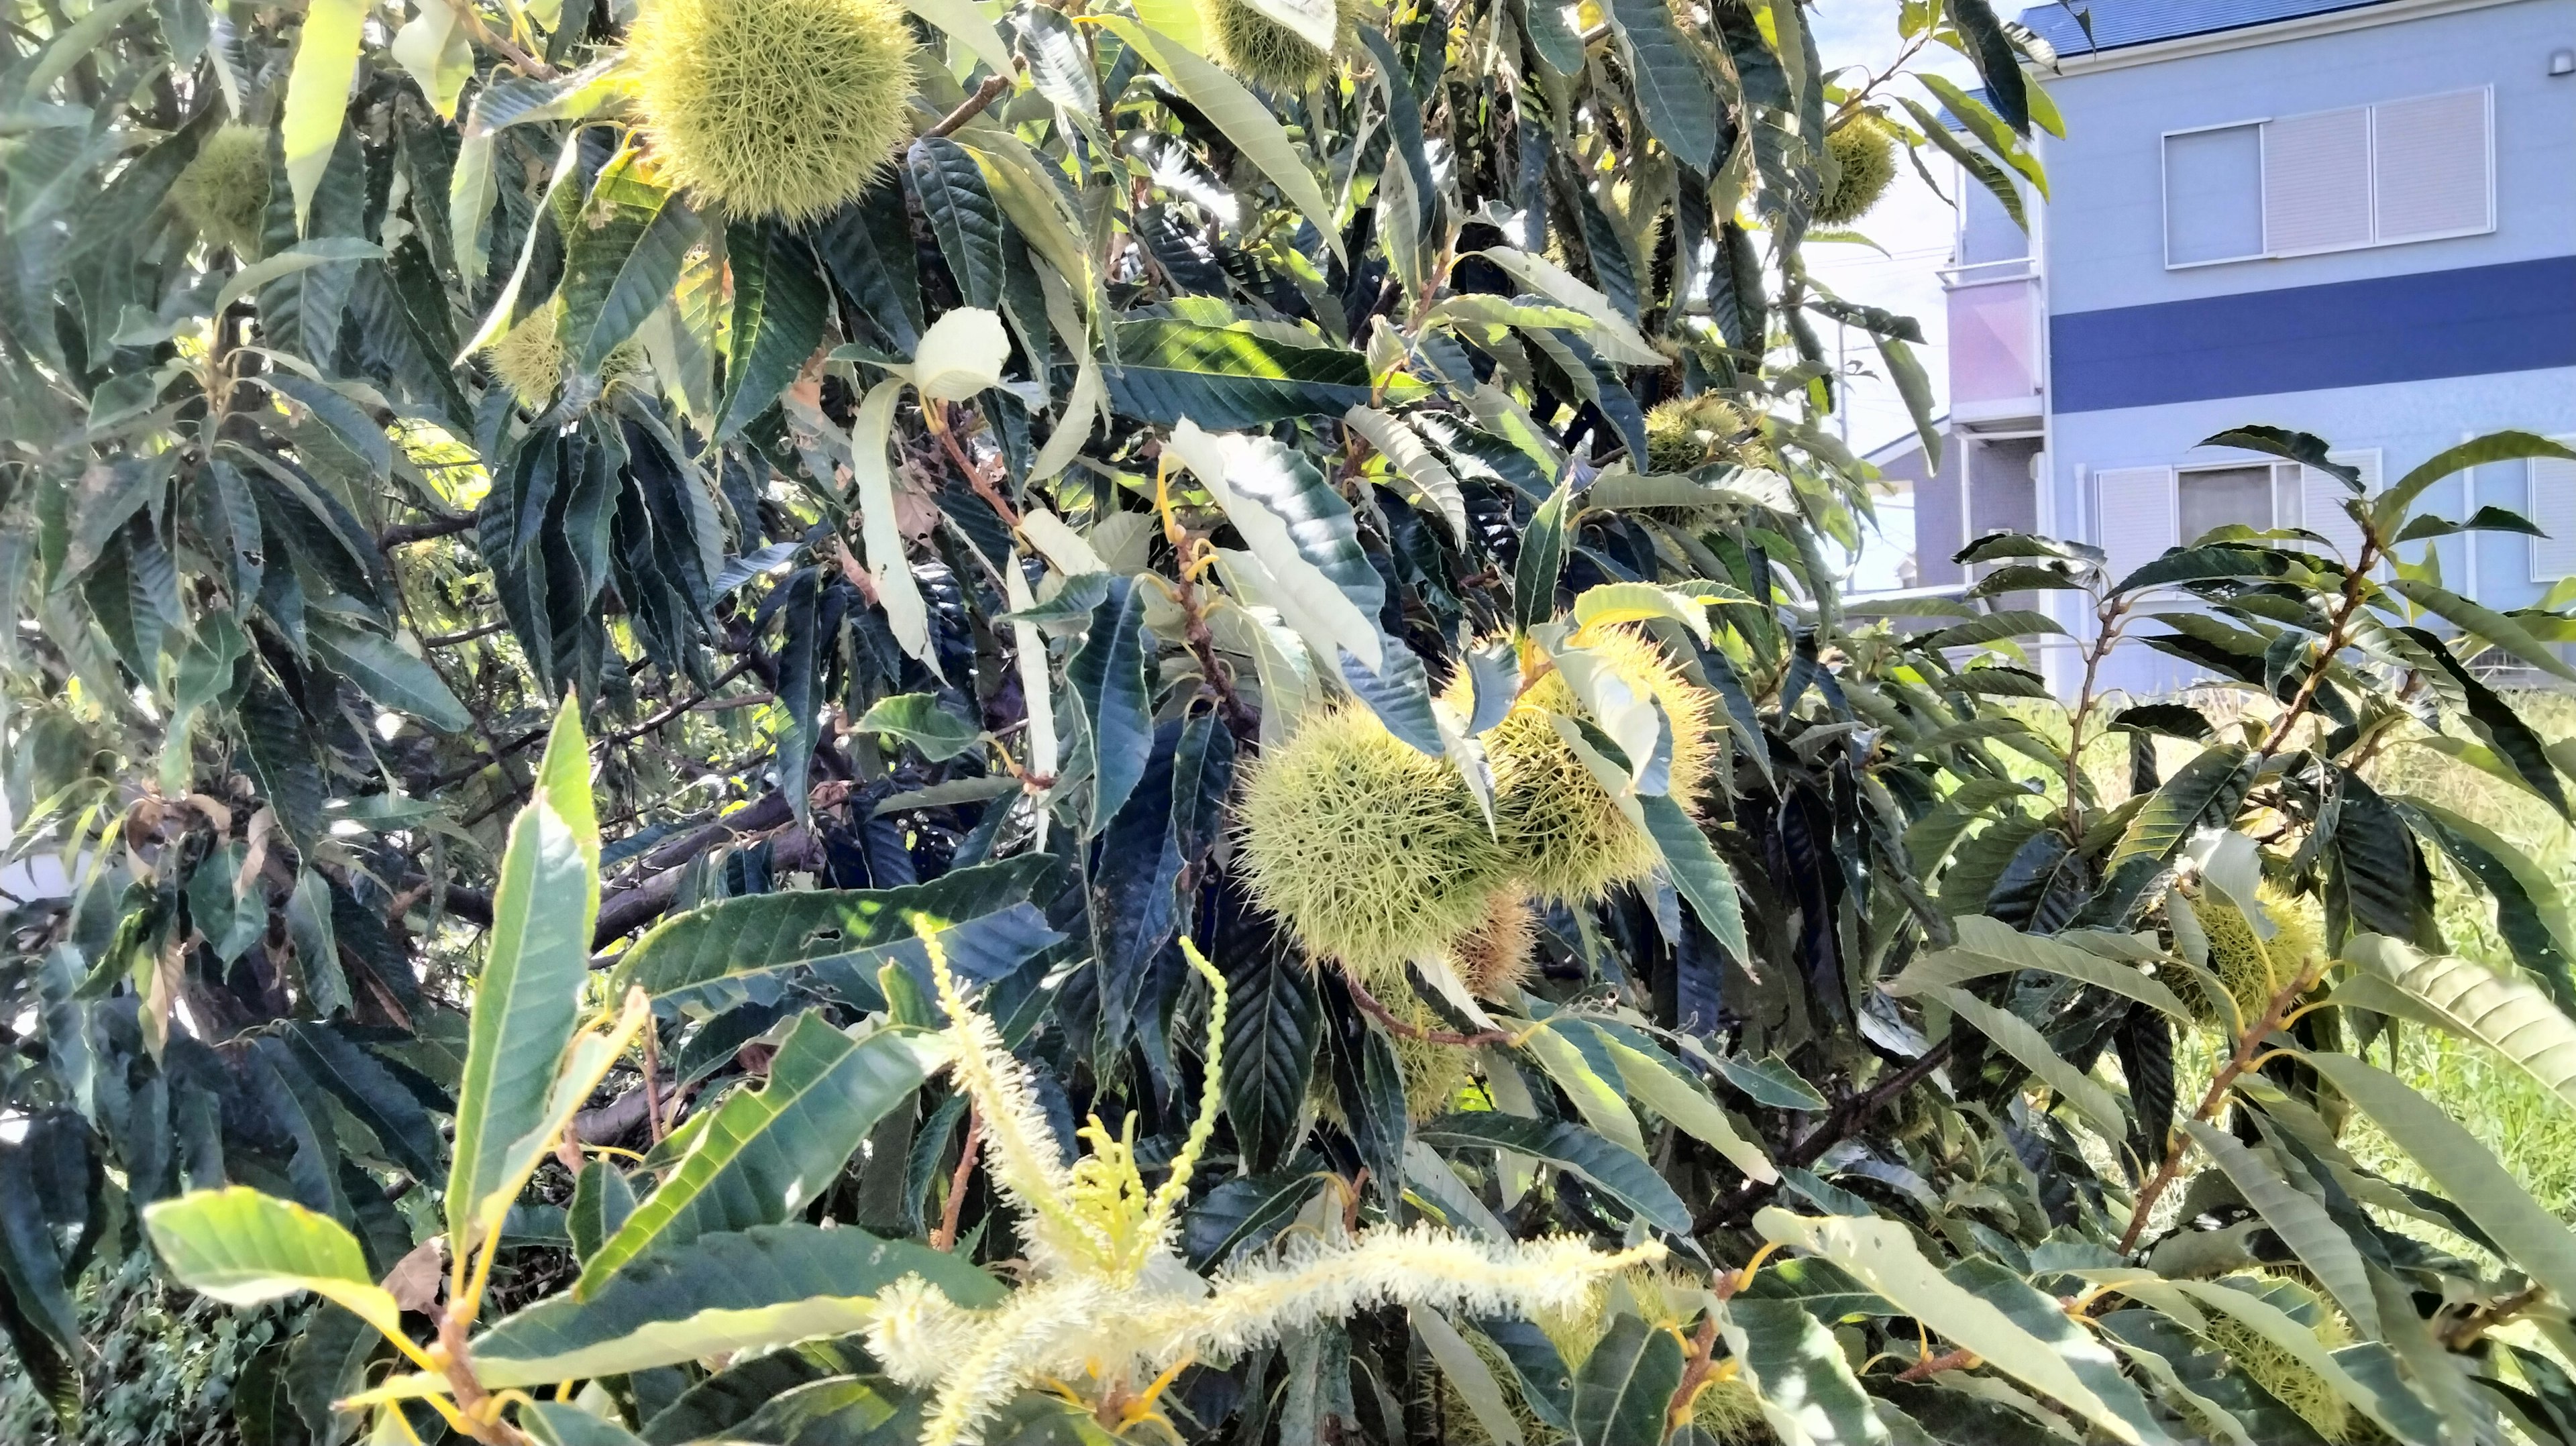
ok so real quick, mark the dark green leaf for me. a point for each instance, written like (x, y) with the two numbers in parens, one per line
(1226, 379)
(779, 310)
(1616, 1172)
(1626, 1384)
(962, 215)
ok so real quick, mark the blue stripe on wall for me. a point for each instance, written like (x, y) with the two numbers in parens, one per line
(2470, 322)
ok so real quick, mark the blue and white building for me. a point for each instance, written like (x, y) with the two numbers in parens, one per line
(2355, 218)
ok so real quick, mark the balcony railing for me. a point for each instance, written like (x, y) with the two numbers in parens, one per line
(1995, 320)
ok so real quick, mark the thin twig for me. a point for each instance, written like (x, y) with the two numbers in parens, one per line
(945, 1237)
(449, 640)
(1370, 1006)
(2249, 1048)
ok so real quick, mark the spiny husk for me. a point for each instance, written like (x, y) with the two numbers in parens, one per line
(224, 191)
(1493, 958)
(2284, 1376)
(530, 358)
(1563, 833)
(1263, 52)
(1373, 852)
(1689, 433)
(783, 108)
(1864, 153)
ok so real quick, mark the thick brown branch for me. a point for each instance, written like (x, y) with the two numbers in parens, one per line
(987, 93)
(442, 526)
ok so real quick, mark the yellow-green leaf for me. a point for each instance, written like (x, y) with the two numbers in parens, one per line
(528, 996)
(242, 1248)
(1881, 1254)
(317, 93)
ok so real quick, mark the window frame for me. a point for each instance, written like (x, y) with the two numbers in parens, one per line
(2262, 176)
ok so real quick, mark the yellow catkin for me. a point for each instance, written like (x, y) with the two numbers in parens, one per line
(1864, 153)
(783, 108)
(1372, 852)
(1686, 434)
(1565, 836)
(223, 192)
(1260, 50)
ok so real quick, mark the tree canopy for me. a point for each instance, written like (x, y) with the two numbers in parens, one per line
(843, 721)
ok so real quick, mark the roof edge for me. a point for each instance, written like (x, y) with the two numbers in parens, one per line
(2361, 16)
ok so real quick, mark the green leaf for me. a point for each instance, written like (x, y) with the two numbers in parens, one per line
(2484, 623)
(2046, 1319)
(528, 996)
(1809, 1395)
(1991, 628)
(765, 1154)
(872, 484)
(917, 719)
(1113, 698)
(1225, 378)
(1770, 1081)
(561, 1423)
(1615, 1171)
(2203, 792)
(317, 93)
(704, 959)
(1626, 1384)
(1468, 1375)
(2016, 1037)
(780, 306)
(2397, 501)
(1674, 89)
(390, 675)
(245, 1248)
(2396, 1411)
(319, 251)
(2506, 1015)
(962, 216)
(1274, 1024)
(1980, 122)
(1881, 1255)
(2304, 448)
(1698, 873)
(2535, 1241)
(388, 1108)
(1989, 946)
(601, 1202)
(1303, 535)
(733, 1291)
(2531, 908)
(1542, 558)
(1989, 175)
(1243, 119)
(2302, 1223)
(1661, 1086)
(621, 262)
(1414, 461)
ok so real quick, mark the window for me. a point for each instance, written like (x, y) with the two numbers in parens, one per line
(2376, 175)
(2553, 511)
(2214, 497)
(2214, 195)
